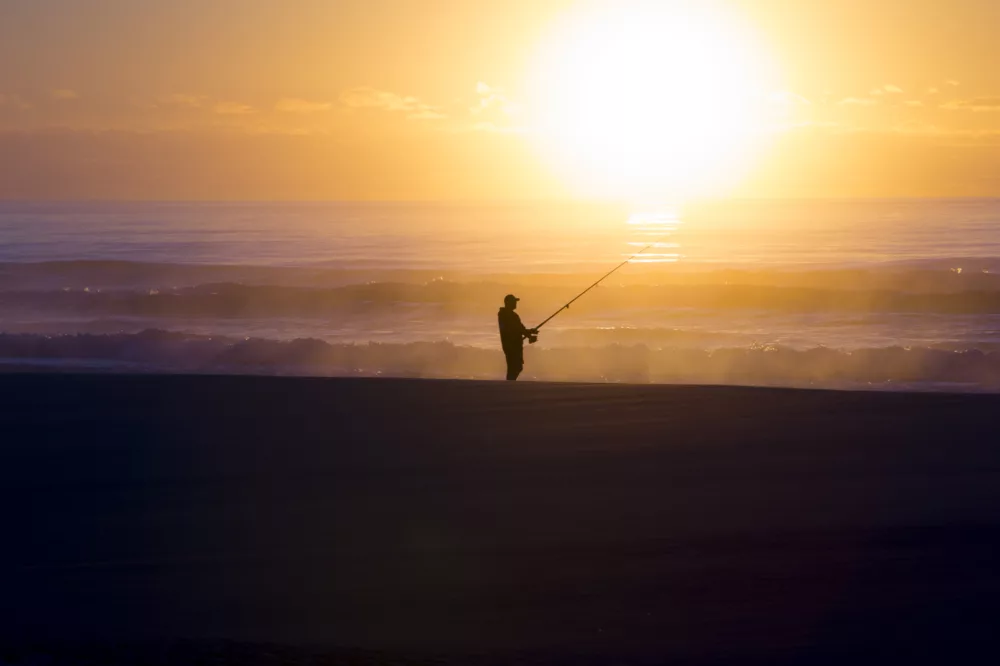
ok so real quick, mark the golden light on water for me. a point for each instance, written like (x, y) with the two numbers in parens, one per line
(650, 99)
(653, 228)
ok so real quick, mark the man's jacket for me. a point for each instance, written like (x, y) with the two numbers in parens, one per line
(512, 331)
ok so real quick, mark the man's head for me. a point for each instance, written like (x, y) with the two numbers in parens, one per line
(510, 301)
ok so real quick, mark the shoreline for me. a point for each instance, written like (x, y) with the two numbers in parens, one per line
(453, 518)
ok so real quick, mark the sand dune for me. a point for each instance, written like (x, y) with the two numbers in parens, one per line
(490, 522)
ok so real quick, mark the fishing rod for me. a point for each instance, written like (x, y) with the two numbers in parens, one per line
(575, 298)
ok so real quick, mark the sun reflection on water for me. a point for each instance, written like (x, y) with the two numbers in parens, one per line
(653, 228)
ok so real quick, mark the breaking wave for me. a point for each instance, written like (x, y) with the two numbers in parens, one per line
(920, 324)
(157, 350)
(240, 300)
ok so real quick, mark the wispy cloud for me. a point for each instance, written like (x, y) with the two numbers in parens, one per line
(977, 104)
(933, 91)
(913, 103)
(887, 89)
(494, 112)
(64, 94)
(233, 109)
(372, 98)
(297, 105)
(491, 97)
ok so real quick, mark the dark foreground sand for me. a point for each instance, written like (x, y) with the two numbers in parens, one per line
(397, 521)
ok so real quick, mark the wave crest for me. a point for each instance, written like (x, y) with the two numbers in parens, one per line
(889, 367)
(240, 300)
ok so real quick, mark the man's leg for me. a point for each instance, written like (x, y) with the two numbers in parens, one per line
(515, 363)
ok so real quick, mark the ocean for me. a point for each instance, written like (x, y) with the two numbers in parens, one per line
(882, 294)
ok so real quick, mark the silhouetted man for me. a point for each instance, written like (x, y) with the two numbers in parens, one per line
(512, 335)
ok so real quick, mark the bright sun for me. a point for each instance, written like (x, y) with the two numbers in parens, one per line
(648, 99)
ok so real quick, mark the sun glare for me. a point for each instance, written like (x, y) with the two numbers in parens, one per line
(650, 99)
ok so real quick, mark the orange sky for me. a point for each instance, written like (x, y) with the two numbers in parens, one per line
(408, 99)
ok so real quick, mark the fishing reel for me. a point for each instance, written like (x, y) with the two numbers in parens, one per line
(533, 338)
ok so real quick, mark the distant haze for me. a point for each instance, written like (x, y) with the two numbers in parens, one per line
(458, 100)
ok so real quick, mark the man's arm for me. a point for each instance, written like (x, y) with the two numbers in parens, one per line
(525, 332)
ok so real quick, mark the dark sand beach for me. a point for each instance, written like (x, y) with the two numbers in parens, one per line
(182, 519)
